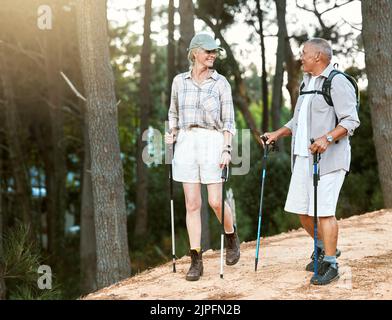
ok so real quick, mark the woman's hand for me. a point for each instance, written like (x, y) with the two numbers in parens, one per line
(225, 159)
(171, 138)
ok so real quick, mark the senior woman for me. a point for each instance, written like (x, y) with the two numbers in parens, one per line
(201, 121)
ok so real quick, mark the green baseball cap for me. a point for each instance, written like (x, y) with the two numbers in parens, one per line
(204, 41)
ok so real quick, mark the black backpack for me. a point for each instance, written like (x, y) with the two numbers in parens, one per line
(326, 88)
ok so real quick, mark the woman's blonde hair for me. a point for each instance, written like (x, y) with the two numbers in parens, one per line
(191, 57)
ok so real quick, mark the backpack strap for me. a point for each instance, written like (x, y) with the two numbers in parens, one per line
(326, 88)
(301, 92)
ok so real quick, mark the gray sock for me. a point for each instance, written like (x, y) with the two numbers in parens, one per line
(331, 260)
(320, 244)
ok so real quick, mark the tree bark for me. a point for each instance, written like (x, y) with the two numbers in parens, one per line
(171, 59)
(3, 289)
(377, 40)
(187, 31)
(277, 95)
(56, 176)
(293, 68)
(205, 220)
(16, 155)
(264, 84)
(144, 114)
(88, 255)
(113, 262)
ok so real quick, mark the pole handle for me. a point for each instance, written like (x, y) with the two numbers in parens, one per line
(225, 174)
(270, 147)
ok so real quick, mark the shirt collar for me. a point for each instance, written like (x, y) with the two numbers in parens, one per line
(324, 74)
(214, 75)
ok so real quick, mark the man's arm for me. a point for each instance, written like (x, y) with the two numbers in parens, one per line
(321, 144)
(275, 135)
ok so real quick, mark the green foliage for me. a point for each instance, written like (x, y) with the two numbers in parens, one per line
(223, 11)
(361, 192)
(21, 259)
(247, 194)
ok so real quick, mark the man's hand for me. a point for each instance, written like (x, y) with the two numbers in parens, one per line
(319, 145)
(271, 136)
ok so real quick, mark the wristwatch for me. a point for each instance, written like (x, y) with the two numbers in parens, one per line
(329, 138)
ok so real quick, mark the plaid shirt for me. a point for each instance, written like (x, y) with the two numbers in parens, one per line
(208, 105)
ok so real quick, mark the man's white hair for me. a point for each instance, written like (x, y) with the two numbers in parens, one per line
(323, 45)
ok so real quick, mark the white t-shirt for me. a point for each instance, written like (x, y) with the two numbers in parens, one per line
(301, 136)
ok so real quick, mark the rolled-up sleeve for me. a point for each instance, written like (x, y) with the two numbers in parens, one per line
(289, 125)
(345, 101)
(227, 108)
(173, 109)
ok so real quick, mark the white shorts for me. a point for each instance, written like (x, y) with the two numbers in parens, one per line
(197, 156)
(300, 198)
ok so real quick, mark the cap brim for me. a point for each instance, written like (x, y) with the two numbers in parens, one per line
(212, 48)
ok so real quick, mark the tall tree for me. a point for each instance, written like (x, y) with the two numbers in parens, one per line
(13, 133)
(88, 247)
(54, 152)
(187, 31)
(145, 107)
(293, 68)
(264, 84)
(113, 262)
(2, 282)
(171, 49)
(377, 40)
(277, 99)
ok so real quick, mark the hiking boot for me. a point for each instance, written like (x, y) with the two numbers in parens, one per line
(196, 269)
(320, 257)
(232, 248)
(327, 274)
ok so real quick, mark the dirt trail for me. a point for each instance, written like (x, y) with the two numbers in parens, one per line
(365, 242)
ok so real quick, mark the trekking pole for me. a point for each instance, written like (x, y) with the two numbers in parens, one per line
(224, 179)
(264, 167)
(316, 158)
(172, 210)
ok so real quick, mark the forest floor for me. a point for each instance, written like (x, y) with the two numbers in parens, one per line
(365, 269)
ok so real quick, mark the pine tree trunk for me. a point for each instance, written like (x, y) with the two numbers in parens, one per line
(56, 151)
(16, 155)
(171, 58)
(2, 283)
(293, 68)
(205, 220)
(377, 40)
(264, 84)
(145, 107)
(88, 255)
(277, 95)
(187, 31)
(113, 262)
